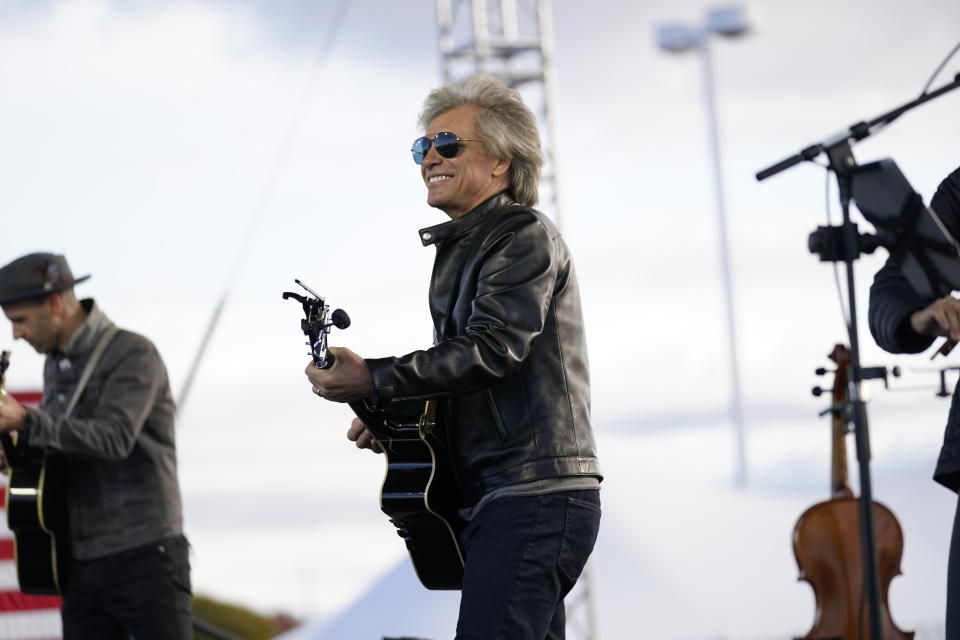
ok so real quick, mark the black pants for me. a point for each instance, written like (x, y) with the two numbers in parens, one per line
(142, 593)
(953, 580)
(524, 554)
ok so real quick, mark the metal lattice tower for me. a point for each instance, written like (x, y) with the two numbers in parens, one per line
(513, 40)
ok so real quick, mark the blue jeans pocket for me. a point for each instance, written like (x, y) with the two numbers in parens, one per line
(579, 535)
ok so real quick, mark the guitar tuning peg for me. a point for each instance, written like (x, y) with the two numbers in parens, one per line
(340, 319)
(820, 371)
(817, 391)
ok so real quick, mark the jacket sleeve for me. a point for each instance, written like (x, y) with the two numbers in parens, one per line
(892, 301)
(514, 290)
(125, 397)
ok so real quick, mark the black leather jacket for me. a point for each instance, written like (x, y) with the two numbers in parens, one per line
(509, 358)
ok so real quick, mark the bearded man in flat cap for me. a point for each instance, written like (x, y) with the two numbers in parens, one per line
(108, 415)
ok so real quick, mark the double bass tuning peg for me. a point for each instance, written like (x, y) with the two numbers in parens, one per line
(868, 373)
(818, 390)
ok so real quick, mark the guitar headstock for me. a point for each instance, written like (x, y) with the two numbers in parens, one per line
(317, 322)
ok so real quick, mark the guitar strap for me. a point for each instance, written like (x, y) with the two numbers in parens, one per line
(98, 350)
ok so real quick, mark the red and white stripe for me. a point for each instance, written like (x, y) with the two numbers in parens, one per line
(22, 617)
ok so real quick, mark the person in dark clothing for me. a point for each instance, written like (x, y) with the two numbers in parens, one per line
(508, 364)
(128, 570)
(904, 322)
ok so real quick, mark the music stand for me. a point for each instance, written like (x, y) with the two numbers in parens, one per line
(919, 238)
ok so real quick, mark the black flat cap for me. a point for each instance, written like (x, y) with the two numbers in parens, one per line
(35, 275)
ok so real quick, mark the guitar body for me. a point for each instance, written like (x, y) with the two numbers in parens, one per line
(418, 492)
(36, 513)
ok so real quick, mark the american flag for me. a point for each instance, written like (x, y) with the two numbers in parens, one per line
(22, 617)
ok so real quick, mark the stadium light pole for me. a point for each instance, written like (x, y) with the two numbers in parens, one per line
(728, 22)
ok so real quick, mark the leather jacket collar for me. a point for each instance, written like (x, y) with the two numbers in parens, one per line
(466, 222)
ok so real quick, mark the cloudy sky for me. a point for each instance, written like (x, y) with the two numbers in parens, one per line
(180, 150)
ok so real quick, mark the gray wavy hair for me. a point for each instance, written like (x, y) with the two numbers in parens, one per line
(504, 123)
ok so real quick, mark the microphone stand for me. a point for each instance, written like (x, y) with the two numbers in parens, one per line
(855, 132)
(843, 164)
(845, 243)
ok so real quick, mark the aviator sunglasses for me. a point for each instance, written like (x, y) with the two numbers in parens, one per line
(447, 145)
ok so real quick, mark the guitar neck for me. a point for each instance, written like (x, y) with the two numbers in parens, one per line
(6, 440)
(839, 480)
(4, 363)
(9, 440)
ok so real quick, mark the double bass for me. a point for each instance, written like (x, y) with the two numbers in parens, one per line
(826, 542)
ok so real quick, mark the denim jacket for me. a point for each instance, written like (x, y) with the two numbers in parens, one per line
(118, 448)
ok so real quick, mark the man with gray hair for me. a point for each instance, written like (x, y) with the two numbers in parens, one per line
(508, 366)
(108, 415)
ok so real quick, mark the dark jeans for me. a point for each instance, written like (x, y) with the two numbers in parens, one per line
(142, 593)
(524, 554)
(953, 580)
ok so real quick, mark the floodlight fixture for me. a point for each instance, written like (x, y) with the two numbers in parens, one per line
(729, 22)
(677, 38)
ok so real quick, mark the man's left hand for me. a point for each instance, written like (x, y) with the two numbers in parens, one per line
(13, 415)
(348, 379)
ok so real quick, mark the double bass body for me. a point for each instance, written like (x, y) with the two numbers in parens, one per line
(826, 543)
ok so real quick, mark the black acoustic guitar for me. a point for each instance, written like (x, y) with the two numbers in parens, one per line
(36, 511)
(418, 491)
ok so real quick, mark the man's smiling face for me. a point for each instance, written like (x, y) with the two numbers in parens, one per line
(457, 185)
